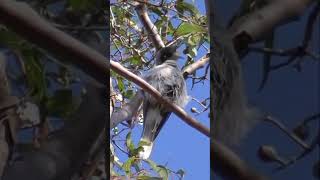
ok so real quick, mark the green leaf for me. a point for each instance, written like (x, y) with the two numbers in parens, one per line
(152, 164)
(182, 7)
(129, 94)
(121, 14)
(127, 165)
(120, 84)
(161, 170)
(61, 104)
(159, 23)
(171, 28)
(129, 143)
(187, 28)
(134, 60)
(34, 69)
(144, 177)
(35, 73)
(193, 40)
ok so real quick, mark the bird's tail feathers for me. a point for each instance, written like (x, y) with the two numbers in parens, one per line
(147, 146)
(236, 118)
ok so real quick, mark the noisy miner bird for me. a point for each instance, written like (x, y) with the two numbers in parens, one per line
(167, 78)
(232, 116)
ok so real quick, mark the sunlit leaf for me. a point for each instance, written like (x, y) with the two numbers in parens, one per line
(134, 60)
(187, 28)
(129, 142)
(161, 170)
(121, 85)
(127, 165)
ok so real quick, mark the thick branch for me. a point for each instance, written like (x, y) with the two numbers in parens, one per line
(127, 111)
(20, 18)
(152, 30)
(229, 165)
(258, 24)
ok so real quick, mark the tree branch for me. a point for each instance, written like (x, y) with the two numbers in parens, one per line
(196, 65)
(229, 165)
(152, 30)
(256, 25)
(20, 18)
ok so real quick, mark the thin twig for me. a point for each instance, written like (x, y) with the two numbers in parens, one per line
(284, 129)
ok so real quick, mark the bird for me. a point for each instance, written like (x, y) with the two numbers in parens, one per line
(232, 116)
(167, 78)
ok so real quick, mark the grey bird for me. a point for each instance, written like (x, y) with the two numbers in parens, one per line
(232, 116)
(167, 78)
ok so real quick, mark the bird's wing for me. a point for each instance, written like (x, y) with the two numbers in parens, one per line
(155, 117)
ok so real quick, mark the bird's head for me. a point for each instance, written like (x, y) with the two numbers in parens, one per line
(167, 53)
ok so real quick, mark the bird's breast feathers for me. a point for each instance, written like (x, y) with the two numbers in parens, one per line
(168, 80)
